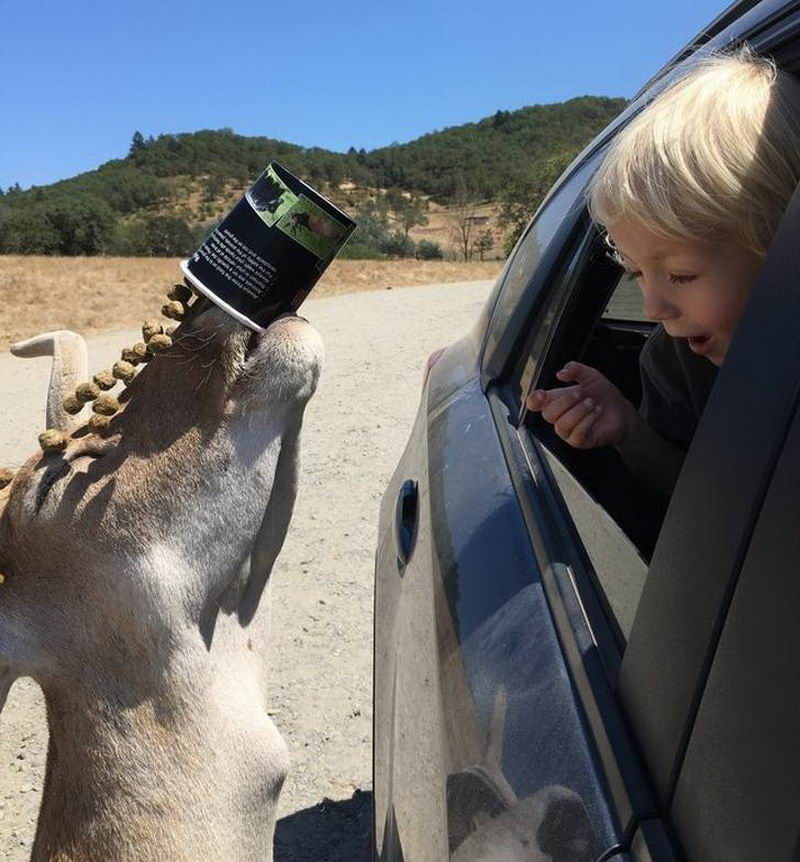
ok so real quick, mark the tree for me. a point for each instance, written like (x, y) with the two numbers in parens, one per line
(373, 225)
(28, 231)
(520, 200)
(155, 236)
(213, 188)
(137, 144)
(84, 224)
(484, 243)
(409, 210)
(168, 236)
(462, 216)
(499, 119)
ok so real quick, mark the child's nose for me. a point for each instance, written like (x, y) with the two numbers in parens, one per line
(655, 305)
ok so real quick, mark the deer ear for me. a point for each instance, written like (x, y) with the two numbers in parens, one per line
(70, 367)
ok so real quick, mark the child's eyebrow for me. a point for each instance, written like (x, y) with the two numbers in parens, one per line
(660, 254)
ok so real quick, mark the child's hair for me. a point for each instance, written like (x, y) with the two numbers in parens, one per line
(716, 156)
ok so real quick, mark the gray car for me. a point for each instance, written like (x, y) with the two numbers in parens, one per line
(565, 668)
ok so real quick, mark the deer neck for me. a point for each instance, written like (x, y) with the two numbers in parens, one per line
(180, 773)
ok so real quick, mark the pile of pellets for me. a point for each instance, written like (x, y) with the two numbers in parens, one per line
(156, 339)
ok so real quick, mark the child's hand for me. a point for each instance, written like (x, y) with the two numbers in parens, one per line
(589, 414)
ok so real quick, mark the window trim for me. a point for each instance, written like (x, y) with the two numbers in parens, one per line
(508, 325)
(586, 250)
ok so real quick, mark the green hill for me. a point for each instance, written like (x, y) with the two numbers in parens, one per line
(169, 191)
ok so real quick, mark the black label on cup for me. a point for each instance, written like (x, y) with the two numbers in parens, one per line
(270, 250)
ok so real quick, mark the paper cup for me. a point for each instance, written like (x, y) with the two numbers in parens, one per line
(269, 251)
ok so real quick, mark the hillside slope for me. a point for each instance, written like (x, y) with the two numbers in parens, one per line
(163, 197)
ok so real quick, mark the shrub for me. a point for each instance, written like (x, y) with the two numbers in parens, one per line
(154, 236)
(356, 250)
(427, 250)
(397, 245)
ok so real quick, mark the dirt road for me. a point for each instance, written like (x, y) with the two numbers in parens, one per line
(355, 430)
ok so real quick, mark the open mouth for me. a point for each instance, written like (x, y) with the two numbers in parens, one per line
(699, 343)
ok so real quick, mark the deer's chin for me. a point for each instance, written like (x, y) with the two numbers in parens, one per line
(282, 363)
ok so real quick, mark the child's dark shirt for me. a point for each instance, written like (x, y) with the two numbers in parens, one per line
(675, 386)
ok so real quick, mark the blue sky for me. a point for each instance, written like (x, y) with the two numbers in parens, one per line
(79, 77)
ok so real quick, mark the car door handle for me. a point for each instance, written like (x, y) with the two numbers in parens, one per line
(406, 518)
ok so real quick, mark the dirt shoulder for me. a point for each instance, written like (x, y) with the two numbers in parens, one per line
(97, 294)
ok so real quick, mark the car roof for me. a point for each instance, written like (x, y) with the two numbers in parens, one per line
(724, 20)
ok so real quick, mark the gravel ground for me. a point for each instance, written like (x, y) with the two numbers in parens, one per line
(355, 430)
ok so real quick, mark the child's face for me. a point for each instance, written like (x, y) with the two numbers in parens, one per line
(696, 290)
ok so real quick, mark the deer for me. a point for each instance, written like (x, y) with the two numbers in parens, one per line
(136, 569)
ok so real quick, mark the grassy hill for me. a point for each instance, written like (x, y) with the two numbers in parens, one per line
(168, 192)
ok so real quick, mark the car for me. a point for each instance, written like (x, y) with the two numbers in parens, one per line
(565, 667)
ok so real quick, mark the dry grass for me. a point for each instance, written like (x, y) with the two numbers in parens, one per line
(105, 293)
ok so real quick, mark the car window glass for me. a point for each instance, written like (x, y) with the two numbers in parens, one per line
(616, 562)
(545, 326)
(563, 208)
(626, 301)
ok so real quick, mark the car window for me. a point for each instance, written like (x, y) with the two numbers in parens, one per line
(617, 563)
(555, 219)
(625, 302)
(616, 519)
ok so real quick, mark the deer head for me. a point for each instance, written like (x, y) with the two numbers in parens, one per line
(136, 563)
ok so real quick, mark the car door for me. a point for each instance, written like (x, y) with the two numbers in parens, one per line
(481, 744)
(591, 526)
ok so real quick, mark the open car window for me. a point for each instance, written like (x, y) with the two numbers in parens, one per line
(625, 303)
(593, 314)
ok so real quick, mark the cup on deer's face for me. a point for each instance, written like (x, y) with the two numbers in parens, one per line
(268, 252)
(136, 564)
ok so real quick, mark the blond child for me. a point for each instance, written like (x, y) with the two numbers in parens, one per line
(690, 195)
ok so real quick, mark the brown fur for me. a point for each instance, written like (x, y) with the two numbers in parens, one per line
(136, 561)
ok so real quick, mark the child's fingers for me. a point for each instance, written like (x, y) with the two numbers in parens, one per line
(583, 434)
(551, 400)
(536, 399)
(571, 420)
(575, 372)
(559, 402)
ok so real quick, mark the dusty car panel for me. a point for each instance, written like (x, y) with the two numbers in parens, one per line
(468, 655)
